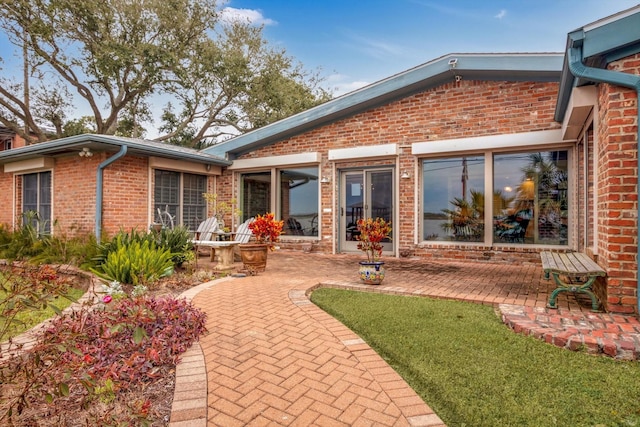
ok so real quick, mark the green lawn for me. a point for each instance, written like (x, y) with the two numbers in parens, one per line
(27, 319)
(474, 371)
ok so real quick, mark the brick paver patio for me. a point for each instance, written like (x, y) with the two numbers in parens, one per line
(271, 357)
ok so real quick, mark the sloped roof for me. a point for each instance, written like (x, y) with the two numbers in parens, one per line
(603, 41)
(109, 143)
(488, 66)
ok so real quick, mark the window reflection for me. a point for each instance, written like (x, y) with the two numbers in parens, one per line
(453, 207)
(530, 198)
(299, 201)
(297, 193)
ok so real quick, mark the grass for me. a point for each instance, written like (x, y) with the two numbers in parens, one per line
(27, 319)
(474, 371)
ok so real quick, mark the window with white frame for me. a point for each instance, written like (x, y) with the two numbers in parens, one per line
(36, 200)
(178, 196)
(453, 206)
(292, 193)
(528, 205)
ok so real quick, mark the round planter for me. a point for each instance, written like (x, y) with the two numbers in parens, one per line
(254, 256)
(372, 273)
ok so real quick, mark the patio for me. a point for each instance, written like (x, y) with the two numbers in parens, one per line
(273, 357)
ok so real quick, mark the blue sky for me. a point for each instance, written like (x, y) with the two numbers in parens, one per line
(355, 43)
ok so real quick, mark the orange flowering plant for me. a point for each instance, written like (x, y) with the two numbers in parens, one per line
(266, 228)
(371, 234)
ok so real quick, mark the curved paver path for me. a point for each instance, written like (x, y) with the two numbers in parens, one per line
(271, 357)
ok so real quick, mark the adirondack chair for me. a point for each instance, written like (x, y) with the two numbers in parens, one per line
(207, 229)
(225, 248)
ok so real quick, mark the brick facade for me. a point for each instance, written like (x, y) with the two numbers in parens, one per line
(453, 110)
(127, 195)
(617, 188)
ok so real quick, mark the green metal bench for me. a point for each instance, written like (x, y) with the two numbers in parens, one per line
(572, 272)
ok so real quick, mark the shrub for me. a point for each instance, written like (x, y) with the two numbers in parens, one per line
(178, 241)
(135, 262)
(92, 358)
(31, 288)
(25, 241)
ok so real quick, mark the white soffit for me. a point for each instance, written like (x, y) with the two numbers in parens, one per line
(579, 108)
(184, 166)
(38, 163)
(383, 150)
(271, 161)
(489, 142)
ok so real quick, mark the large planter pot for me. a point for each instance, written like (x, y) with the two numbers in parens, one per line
(372, 273)
(254, 256)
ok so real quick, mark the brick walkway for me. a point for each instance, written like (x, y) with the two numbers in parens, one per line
(273, 358)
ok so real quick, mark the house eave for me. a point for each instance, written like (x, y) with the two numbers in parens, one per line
(602, 42)
(491, 67)
(111, 144)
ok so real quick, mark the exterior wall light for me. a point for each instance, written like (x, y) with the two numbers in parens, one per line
(405, 175)
(325, 180)
(86, 152)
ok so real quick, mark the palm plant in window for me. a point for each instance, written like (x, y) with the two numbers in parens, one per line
(465, 220)
(550, 184)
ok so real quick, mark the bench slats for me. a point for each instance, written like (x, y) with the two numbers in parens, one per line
(572, 272)
(573, 263)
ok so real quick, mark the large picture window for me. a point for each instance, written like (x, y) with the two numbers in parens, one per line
(528, 205)
(180, 194)
(530, 202)
(453, 199)
(292, 193)
(36, 200)
(299, 201)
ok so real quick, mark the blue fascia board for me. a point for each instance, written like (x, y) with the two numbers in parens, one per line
(110, 143)
(602, 42)
(603, 39)
(543, 67)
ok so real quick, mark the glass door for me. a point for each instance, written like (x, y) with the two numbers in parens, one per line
(364, 194)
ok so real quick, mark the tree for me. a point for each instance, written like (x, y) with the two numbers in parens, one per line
(120, 58)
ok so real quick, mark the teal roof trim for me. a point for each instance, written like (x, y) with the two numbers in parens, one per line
(602, 39)
(602, 42)
(73, 144)
(497, 67)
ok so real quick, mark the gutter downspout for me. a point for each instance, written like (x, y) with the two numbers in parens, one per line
(632, 81)
(99, 185)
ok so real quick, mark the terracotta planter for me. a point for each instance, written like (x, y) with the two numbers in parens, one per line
(254, 256)
(372, 273)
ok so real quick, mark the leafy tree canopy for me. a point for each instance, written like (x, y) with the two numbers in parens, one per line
(115, 60)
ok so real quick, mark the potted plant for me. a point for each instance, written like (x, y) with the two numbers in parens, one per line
(220, 209)
(266, 230)
(371, 234)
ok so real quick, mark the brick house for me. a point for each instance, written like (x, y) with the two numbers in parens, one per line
(485, 157)
(551, 138)
(96, 183)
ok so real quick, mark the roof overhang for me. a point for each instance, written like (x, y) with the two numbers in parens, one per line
(602, 42)
(110, 144)
(489, 67)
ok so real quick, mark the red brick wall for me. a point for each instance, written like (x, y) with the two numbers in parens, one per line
(6, 198)
(74, 194)
(617, 189)
(453, 110)
(125, 198)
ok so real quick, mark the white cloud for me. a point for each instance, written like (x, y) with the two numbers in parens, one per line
(339, 84)
(251, 15)
(501, 14)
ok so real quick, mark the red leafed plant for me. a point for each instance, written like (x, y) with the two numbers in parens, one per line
(371, 234)
(266, 228)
